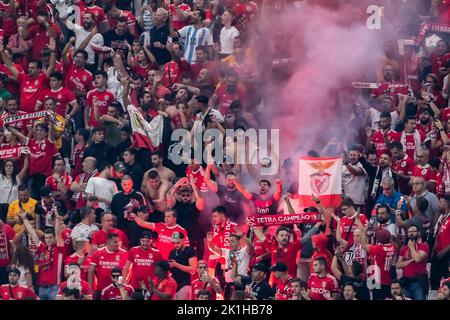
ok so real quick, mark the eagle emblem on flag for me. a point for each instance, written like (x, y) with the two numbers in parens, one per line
(320, 181)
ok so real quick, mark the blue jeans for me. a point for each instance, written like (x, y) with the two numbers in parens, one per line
(48, 293)
(416, 288)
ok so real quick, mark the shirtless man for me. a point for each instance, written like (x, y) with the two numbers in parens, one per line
(155, 188)
(164, 173)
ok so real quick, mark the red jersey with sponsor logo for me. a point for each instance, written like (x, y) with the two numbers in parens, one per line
(143, 264)
(198, 176)
(78, 79)
(85, 288)
(286, 254)
(31, 89)
(414, 269)
(319, 285)
(168, 285)
(404, 166)
(105, 261)
(16, 292)
(348, 227)
(443, 234)
(264, 205)
(244, 12)
(63, 98)
(50, 181)
(378, 140)
(50, 261)
(410, 143)
(41, 158)
(173, 71)
(99, 237)
(226, 97)
(425, 172)
(283, 289)
(391, 89)
(6, 235)
(177, 22)
(164, 243)
(105, 98)
(113, 293)
(73, 258)
(197, 286)
(260, 248)
(381, 257)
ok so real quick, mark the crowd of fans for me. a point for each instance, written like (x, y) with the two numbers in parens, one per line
(89, 210)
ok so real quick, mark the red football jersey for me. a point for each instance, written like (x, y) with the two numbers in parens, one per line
(198, 176)
(41, 38)
(98, 12)
(425, 172)
(226, 97)
(105, 98)
(381, 257)
(50, 181)
(105, 261)
(415, 269)
(99, 237)
(50, 261)
(41, 158)
(6, 235)
(63, 98)
(410, 143)
(168, 285)
(286, 254)
(319, 285)
(348, 227)
(197, 286)
(143, 264)
(31, 89)
(177, 22)
(113, 293)
(85, 289)
(164, 243)
(73, 258)
(404, 166)
(78, 79)
(18, 293)
(173, 71)
(283, 289)
(378, 140)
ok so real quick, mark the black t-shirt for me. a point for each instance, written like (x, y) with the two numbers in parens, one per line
(188, 218)
(134, 234)
(122, 205)
(137, 173)
(232, 201)
(104, 153)
(160, 35)
(117, 42)
(263, 290)
(182, 257)
(362, 293)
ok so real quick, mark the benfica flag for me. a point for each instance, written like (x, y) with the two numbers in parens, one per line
(145, 135)
(321, 177)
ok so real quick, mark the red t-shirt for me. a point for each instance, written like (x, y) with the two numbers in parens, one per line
(105, 98)
(99, 237)
(410, 143)
(78, 78)
(113, 293)
(31, 89)
(197, 286)
(173, 71)
(6, 235)
(286, 254)
(41, 158)
(50, 181)
(348, 227)
(50, 261)
(378, 140)
(85, 289)
(142, 264)
(443, 235)
(63, 98)
(198, 176)
(164, 243)
(438, 61)
(226, 97)
(244, 11)
(415, 269)
(19, 293)
(168, 285)
(9, 19)
(105, 261)
(392, 89)
(381, 256)
(283, 289)
(73, 258)
(425, 172)
(80, 197)
(177, 23)
(41, 38)
(404, 166)
(319, 285)
(445, 114)
(98, 12)
(67, 238)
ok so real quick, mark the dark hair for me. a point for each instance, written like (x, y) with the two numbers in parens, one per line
(57, 75)
(410, 118)
(138, 76)
(85, 211)
(14, 173)
(122, 19)
(204, 293)
(131, 151)
(422, 204)
(71, 292)
(202, 48)
(83, 52)
(84, 133)
(236, 104)
(266, 181)
(174, 212)
(42, 126)
(396, 145)
(97, 129)
(51, 98)
(156, 153)
(351, 284)
(12, 98)
(282, 229)
(37, 62)
(400, 282)
(202, 13)
(111, 236)
(22, 257)
(321, 260)
(385, 206)
(22, 187)
(385, 114)
(101, 73)
(348, 202)
(220, 209)
(153, 174)
(163, 265)
(357, 268)
(49, 231)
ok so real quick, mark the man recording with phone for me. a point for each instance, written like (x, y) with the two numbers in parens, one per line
(118, 289)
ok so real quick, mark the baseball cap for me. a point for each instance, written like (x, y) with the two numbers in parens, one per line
(119, 166)
(177, 236)
(14, 270)
(261, 267)
(279, 266)
(116, 271)
(146, 234)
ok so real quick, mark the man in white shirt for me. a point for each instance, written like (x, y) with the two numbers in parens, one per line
(86, 227)
(102, 187)
(354, 178)
(227, 33)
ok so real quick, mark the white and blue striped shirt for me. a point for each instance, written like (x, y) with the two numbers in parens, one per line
(193, 38)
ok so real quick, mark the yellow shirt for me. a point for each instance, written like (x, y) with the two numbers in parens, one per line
(13, 211)
(59, 127)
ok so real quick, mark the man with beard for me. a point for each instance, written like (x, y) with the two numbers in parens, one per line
(86, 36)
(413, 260)
(125, 203)
(226, 93)
(381, 138)
(99, 15)
(354, 178)
(390, 86)
(13, 290)
(425, 123)
(397, 291)
(134, 169)
(118, 37)
(156, 189)
(402, 165)
(157, 163)
(229, 196)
